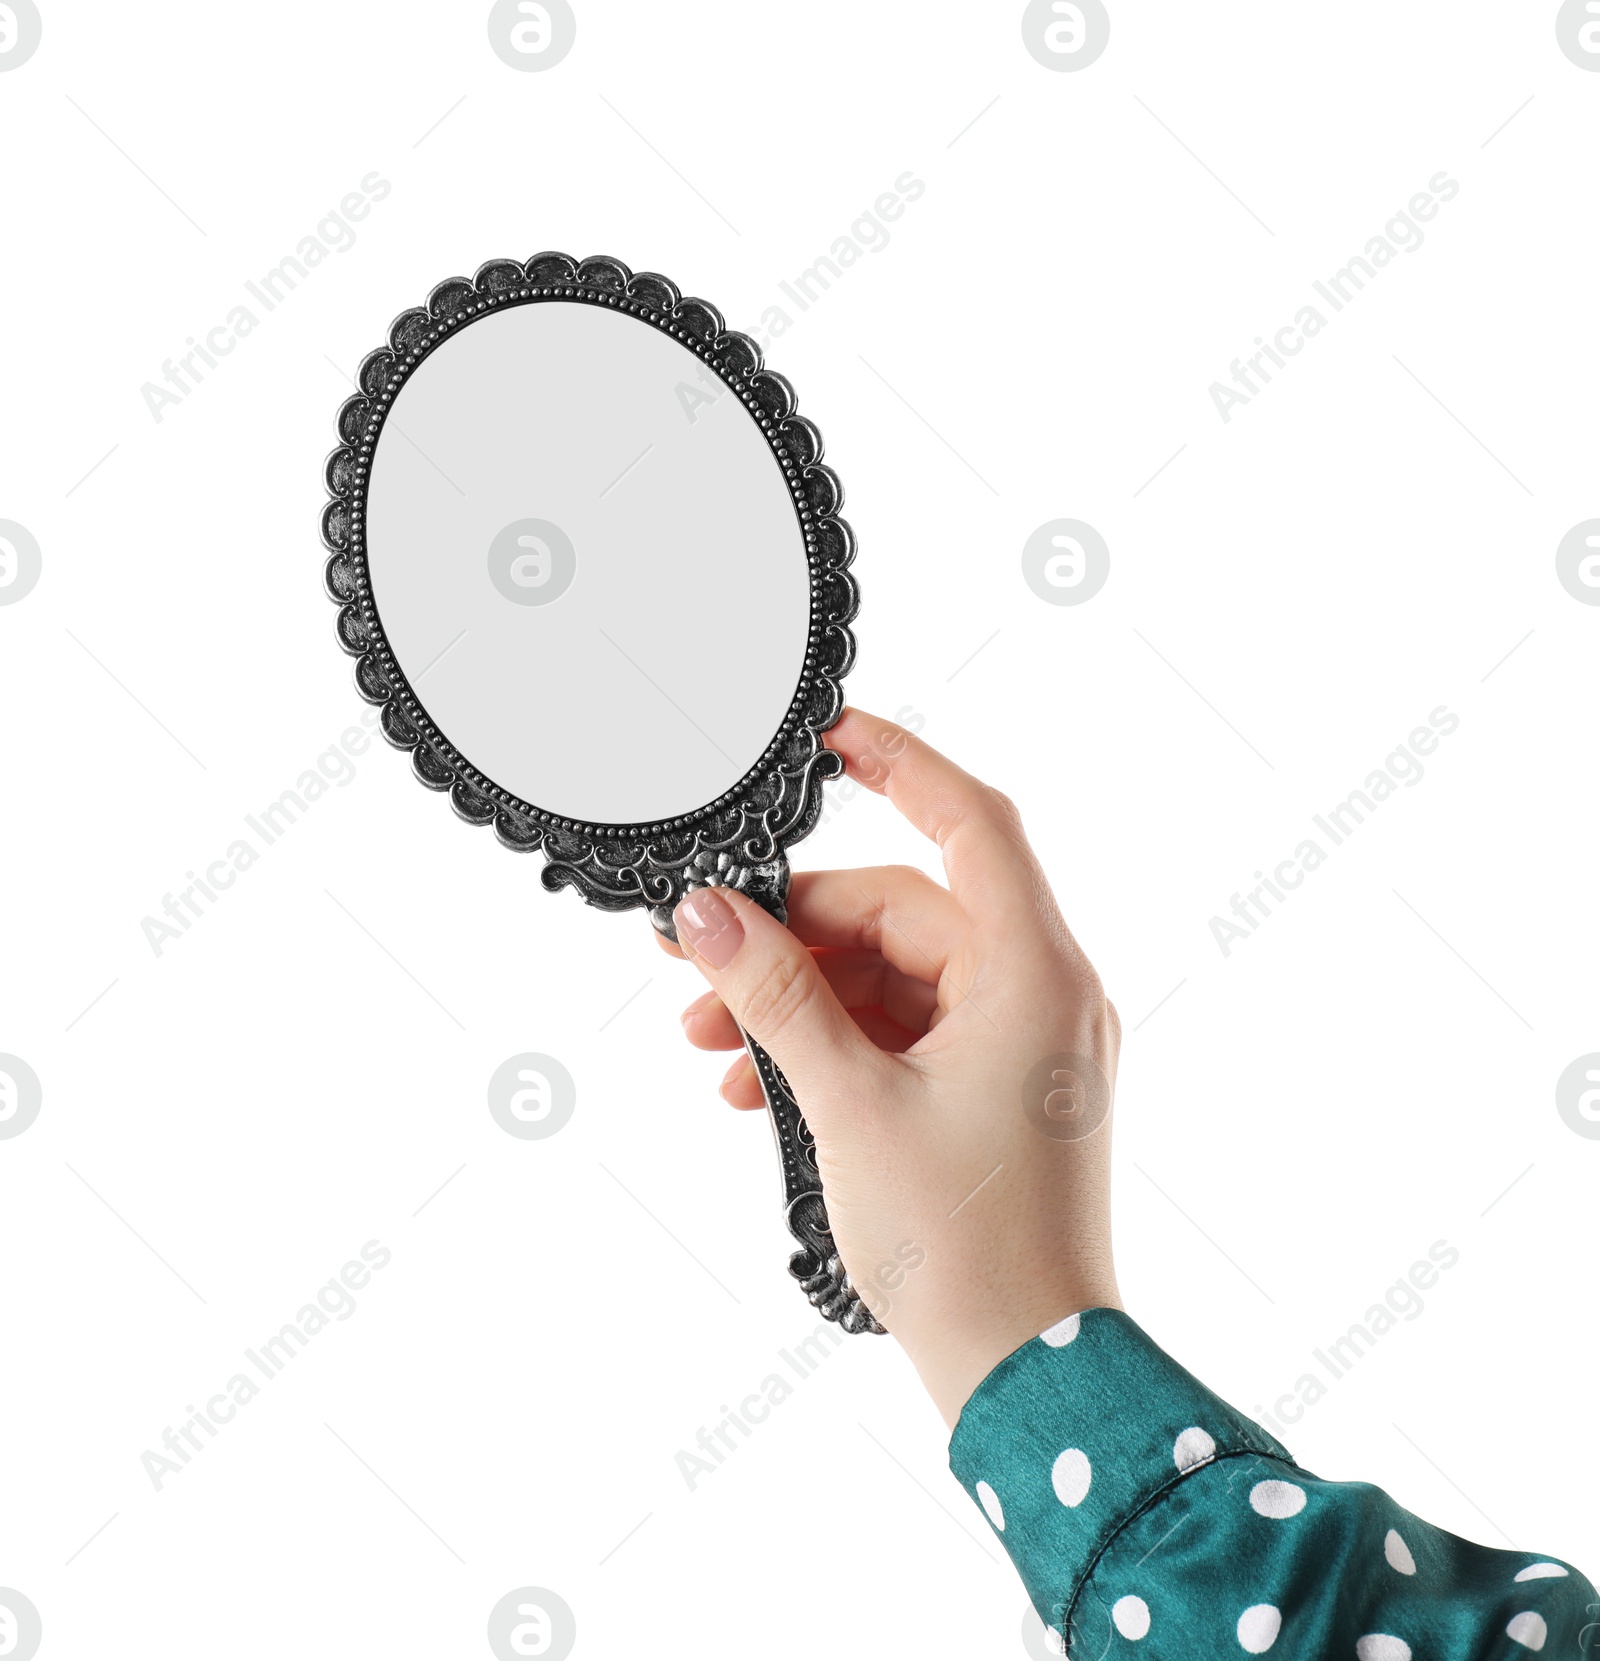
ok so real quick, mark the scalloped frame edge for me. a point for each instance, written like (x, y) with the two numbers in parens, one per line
(778, 801)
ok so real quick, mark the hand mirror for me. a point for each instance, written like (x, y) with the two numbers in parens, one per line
(592, 569)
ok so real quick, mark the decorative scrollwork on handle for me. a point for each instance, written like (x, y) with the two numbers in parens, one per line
(816, 1265)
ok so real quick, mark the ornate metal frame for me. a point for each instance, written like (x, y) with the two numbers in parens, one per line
(741, 838)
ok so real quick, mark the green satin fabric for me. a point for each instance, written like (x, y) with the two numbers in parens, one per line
(1148, 1517)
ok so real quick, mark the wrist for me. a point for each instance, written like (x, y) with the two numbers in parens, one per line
(955, 1359)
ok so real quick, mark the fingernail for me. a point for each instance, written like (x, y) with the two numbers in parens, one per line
(734, 1071)
(709, 927)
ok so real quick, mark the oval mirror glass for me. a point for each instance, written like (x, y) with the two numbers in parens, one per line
(588, 563)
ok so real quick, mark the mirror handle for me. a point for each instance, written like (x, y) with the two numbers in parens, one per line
(816, 1264)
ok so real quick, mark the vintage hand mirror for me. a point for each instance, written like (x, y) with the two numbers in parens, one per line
(592, 568)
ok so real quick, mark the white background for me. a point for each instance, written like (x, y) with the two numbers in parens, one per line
(1296, 1123)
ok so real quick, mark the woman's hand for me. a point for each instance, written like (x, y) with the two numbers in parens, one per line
(954, 1054)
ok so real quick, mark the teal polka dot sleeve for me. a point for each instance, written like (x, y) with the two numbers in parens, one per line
(1149, 1518)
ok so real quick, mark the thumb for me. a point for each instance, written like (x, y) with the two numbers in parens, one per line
(775, 991)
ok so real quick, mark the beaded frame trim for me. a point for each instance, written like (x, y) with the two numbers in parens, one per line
(743, 834)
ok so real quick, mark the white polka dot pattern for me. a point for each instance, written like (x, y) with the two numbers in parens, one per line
(1061, 1334)
(1382, 1646)
(1258, 1628)
(1131, 1445)
(1070, 1476)
(1277, 1499)
(1527, 1629)
(1131, 1617)
(1397, 1553)
(1194, 1446)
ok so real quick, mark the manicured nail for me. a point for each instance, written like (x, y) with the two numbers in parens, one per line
(709, 927)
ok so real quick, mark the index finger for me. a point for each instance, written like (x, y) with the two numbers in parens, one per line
(979, 834)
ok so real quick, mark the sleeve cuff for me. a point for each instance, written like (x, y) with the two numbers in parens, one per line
(1075, 1434)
